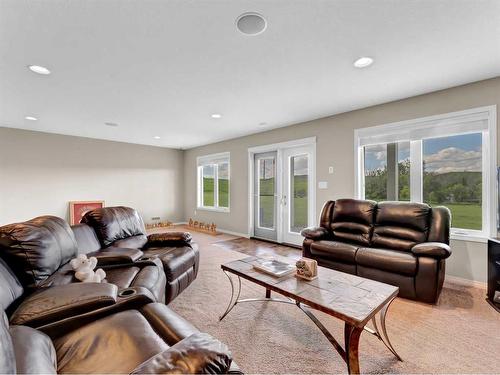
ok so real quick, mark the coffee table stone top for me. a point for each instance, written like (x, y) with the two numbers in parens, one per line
(351, 298)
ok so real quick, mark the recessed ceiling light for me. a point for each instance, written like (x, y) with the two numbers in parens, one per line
(39, 69)
(30, 118)
(216, 115)
(112, 124)
(363, 62)
(156, 137)
(251, 23)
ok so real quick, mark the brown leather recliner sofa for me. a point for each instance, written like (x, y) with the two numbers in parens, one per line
(122, 227)
(399, 243)
(99, 331)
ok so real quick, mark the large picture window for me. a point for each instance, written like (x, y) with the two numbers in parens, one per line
(213, 182)
(447, 160)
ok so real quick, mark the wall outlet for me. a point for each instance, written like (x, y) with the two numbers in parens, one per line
(194, 212)
(330, 170)
(323, 185)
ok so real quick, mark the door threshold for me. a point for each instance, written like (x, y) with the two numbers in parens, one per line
(276, 242)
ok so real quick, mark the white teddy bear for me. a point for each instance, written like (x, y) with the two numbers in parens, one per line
(84, 269)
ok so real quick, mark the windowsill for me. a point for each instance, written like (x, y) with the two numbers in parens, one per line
(213, 209)
(469, 237)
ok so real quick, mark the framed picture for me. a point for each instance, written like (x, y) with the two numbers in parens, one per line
(79, 208)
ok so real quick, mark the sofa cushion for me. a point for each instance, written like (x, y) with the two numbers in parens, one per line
(7, 357)
(353, 220)
(86, 238)
(387, 260)
(335, 250)
(35, 353)
(114, 223)
(401, 225)
(134, 242)
(36, 248)
(126, 337)
(11, 289)
(176, 260)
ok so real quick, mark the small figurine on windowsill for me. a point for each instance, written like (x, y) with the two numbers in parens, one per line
(307, 269)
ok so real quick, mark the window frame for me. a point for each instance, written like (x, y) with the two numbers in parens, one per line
(461, 122)
(214, 160)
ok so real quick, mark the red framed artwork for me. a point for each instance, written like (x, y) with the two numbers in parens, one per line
(79, 208)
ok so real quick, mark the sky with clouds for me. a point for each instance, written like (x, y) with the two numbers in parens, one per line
(461, 153)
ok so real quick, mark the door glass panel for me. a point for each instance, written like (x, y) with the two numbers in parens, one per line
(208, 185)
(299, 192)
(267, 182)
(403, 151)
(452, 168)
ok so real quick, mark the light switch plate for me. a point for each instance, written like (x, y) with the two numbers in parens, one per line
(322, 185)
(330, 170)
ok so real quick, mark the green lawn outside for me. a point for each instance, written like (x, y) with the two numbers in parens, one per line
(465, 216)
(208, 192)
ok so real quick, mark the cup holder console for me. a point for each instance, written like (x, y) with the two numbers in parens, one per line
(127, 293)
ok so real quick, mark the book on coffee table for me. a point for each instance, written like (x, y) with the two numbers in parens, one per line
(274, 267)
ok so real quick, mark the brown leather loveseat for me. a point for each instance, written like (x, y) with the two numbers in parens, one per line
(108, 228)
(399, 243)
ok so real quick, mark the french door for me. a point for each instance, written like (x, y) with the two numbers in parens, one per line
(283, 193)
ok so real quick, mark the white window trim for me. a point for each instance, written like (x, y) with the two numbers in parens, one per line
(453, 119)
(212, 159)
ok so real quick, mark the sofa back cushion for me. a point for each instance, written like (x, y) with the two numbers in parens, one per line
(400, 225)
(86, 238)
(11, 289)
(352, 220)
(35, 249)
(7, 357)
(34, 351)
(114, 223)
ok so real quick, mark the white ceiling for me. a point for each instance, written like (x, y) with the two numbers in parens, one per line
(161, 68)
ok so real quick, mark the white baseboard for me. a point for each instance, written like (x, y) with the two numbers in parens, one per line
(464, 282)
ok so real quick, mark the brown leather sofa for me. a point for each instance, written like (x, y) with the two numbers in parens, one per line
(122, 227)
(399, 243)
(39, 251)
(99, 332)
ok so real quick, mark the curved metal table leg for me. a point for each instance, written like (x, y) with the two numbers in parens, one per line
(384, 337)
(231, 303)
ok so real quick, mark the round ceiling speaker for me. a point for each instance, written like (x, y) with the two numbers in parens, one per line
(251, 23)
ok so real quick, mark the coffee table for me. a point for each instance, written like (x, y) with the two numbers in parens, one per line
(352, 299)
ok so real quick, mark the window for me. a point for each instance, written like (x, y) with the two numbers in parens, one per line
(447, 160)
(213, 182)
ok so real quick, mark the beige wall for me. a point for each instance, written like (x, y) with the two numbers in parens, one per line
(40, 173)
(335, 147)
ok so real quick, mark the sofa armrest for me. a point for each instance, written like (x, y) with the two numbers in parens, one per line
(169, 239)
(314, 233)
(59, 302)
(116, 255)
(437, 250)
(199, 353)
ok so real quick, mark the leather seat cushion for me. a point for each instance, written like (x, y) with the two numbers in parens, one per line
(352, 220)
(114, 223)
(388, 260)
(122, 277)
(401, 225)
(335, 250)
(35, 249)
(86, 238)
(34, 351)
(127, 337)
(134, 242)
(176, 260)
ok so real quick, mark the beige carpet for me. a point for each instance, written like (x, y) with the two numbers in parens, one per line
(460, 335)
